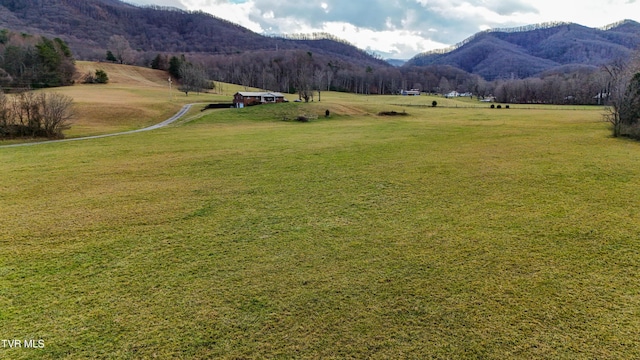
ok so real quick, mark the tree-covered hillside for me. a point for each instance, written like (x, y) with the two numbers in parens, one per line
(528, 51)
(89, 24)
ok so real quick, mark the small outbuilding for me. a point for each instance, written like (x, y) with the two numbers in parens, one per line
(245, 98)
(412, 92)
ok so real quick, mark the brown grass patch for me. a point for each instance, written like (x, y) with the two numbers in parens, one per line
(126, 74)
(135, 97)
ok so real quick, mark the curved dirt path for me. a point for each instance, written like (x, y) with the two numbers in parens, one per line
(172, 119)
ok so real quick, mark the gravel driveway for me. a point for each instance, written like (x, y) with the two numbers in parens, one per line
(175, 117)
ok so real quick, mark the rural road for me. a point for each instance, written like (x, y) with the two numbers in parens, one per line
(175, 117)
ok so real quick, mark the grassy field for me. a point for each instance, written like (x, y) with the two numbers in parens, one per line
(447, 233)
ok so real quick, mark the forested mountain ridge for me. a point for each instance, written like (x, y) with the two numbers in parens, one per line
(553, 63)
(529, 51)
(87, 26)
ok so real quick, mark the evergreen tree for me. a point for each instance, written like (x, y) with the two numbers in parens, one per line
(174, 66)
(101, 77)
(160, 62)
(55, 64)
(111, 57)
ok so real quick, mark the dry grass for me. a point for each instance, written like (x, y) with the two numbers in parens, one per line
(134, 98)
(125, 75)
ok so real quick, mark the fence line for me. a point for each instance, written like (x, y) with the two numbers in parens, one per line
(512, 107)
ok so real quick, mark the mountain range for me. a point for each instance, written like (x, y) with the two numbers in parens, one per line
(532, 50)
(87, 25)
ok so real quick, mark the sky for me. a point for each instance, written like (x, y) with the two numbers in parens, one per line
(401, 29)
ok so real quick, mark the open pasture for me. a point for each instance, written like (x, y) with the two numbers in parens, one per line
(134, 98)
(447, 233)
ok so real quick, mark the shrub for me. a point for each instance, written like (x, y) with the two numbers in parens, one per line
(392, 113)
(434, 103)
(101, 77)
(631, 131)
(88, 78)
(499, 106)
(493, 106)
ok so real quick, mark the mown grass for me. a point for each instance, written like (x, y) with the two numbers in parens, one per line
(449, 233)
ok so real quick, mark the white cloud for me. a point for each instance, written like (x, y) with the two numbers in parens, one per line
(242, 13)
(389, 43)
(589, 13)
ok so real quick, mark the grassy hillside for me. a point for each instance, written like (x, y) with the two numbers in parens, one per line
(446, 233)
(135, 97)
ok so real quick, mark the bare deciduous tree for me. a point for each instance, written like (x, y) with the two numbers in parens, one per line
(35, 114)
(121, 49)
(57, 111)
(303, 79)
(193, 78)
(5, 114)
(623, 96)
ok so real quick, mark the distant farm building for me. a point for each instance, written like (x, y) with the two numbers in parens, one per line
(242, 99)
(454, 94)
(412, 92)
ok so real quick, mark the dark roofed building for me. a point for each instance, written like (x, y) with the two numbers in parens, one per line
(246, 98)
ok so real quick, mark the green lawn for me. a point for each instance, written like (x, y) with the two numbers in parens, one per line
(448, 233)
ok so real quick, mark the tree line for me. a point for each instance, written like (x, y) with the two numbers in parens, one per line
(308, 74)
(30, 61)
